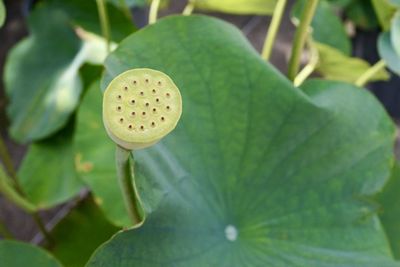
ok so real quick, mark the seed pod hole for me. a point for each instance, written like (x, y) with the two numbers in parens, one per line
(154, 110)
(133, 101)
(147, 104)
(134, 82)
(146, 80)
(162, 119)
(154, 91)
(119, 97)
(167, 95)
(130, 127)
(133, 113)
(126, 88)
(159, 83)
(142, 93)
(142, 127)
(168, 108)
(119, 108)
(143, 113)
(153, 124)
(157, 100)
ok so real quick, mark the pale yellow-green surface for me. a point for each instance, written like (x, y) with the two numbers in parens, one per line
(140, 106)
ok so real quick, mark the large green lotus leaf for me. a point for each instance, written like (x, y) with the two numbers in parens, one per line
(260, 7)
(390, 210)
(388, 53)
(257, 173)
(47, 174)
(95, 157)
(327, 28)
(80, 233)
(18, 254)
(2, 13)
(41, 76)
(384, 11)
(335, 65)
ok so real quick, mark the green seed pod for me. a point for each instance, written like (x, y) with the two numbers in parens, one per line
(141, 106)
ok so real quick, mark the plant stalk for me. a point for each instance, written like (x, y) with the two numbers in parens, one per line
(6, 159)
(127, 184)
(155, 5)
(310, 67)
(300, 37)
(125, 9)
(369, 73)
(12, 190)
(188, 10)
(273, 29)
(104, 22)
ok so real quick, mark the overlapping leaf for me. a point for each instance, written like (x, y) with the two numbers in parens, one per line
(256, 173)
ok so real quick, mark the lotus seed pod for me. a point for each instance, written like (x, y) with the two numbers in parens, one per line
(141, 106)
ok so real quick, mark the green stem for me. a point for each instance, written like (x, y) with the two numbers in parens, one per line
(125, 9)
(127, 184)
(273, 29)
(188, 8)
(4, 232)
(300, 37)
(6, 159)
(11, 194)
(12, 190)
(310, 67)
(369, 73)
(155, 4)
(104, 22)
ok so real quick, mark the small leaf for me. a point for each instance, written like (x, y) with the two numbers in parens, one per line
(257, 172)
(384, 11)
(387, 52)
(47, 174)
(334, 65)
(327, 28)
(395, 33)
(2, 13)
(19, 254)
(390, 210)
(80, 233)
(95, 157)
(259, 7)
